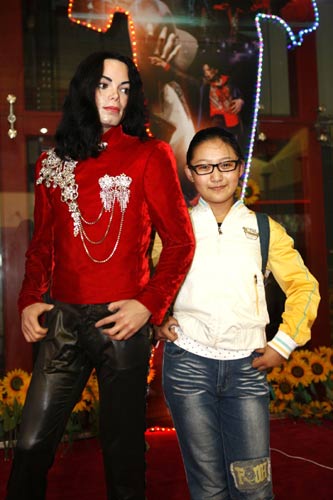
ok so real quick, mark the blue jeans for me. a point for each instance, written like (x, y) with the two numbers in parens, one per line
(221, 415)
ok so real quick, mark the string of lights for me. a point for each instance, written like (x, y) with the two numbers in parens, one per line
(296, 39)
(102, 26)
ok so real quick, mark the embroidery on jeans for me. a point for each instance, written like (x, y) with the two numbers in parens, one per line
(251, 474)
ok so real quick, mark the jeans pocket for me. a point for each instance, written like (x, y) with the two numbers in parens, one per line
(172, 350)
(254, 355)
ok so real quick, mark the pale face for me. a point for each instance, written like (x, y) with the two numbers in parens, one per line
(209, 72)
(112, 93)
(217, 188)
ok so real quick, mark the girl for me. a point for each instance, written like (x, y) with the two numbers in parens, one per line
(214, 368)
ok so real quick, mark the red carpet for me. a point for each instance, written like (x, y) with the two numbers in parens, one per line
(78, 472)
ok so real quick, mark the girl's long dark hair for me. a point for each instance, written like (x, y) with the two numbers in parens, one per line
(79, 132)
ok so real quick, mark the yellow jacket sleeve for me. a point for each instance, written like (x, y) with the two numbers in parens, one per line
(299, 285)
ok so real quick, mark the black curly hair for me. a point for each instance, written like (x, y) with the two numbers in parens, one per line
(79, 131)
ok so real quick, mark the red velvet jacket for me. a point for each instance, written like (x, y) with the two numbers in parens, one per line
(57, 260)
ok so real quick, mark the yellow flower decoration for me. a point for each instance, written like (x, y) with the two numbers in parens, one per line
(89, 396)
(300, 409)
(303, 355)
(2, 390)
(276, 373)
(327, 407)
(299, 371)
(3, 398)
(277, 406)
(252, 192)
(284, 389)
(317, 409)
(326, 353)
(15, 386)
(92, 386)
(85, 402)
(319, 368)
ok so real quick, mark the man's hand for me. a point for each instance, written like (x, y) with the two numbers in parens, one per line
(128, 315)
(31, 328)
(166, 49)
(269, 359)
(166, 331)
(236, 106)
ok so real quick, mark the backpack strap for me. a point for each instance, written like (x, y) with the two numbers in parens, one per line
(264, 235)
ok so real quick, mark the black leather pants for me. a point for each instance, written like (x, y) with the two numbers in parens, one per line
(72, 348)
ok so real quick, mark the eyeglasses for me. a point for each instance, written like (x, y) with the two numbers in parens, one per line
(223, 166)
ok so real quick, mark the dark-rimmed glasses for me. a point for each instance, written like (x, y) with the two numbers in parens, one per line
(208, 168)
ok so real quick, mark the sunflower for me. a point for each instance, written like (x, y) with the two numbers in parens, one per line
(284, 389)
(277, 406)
(3, 393)
(251, 194)
(326, 353)
(327, 407)
(318, 409)
(275, 374)
(320, 368)
(80, 406)
(302, 354)
(89, 396)
(92, 387)
(15, 385)
(3, 398)
(299, 371)
(299, 410)
(85, 402)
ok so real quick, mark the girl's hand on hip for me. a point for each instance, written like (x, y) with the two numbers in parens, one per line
(269, 359)
(166, 330)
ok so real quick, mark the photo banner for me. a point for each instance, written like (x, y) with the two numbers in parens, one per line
(200, 61)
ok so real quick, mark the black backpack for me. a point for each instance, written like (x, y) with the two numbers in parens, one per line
(275, 297)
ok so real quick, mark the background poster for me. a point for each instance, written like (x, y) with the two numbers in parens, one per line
(198, 60)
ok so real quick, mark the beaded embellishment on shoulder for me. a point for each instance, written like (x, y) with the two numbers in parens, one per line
(58, 173)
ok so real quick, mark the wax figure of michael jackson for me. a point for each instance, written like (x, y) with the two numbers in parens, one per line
(98, 195)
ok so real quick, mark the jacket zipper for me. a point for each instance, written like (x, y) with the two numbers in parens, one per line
(256, 292)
